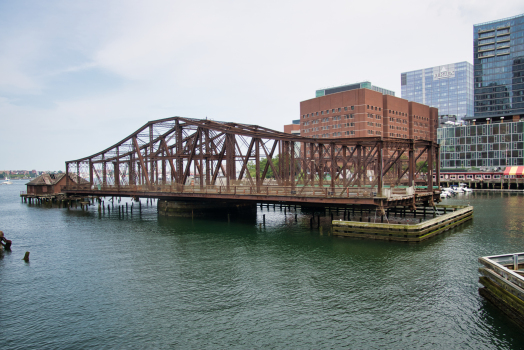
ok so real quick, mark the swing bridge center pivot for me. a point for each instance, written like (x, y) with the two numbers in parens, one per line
(204, 160)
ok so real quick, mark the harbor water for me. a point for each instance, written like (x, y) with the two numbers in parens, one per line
(143, 281)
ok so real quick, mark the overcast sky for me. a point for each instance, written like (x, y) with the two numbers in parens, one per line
(78, 76)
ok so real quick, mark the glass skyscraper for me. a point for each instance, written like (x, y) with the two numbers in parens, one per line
(498, 52)
(448, 88)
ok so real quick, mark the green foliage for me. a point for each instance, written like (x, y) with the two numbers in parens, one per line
(422, 166)
(251, 167)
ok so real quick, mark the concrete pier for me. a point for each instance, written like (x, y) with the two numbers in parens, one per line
(444, 218)
(197, 208)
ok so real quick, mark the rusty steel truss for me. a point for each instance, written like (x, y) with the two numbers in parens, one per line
(183, 158)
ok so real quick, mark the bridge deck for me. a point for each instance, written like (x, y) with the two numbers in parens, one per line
(313, 195)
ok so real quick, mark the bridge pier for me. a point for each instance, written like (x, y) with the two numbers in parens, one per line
(204, 208)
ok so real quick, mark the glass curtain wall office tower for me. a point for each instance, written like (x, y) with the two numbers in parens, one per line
(498, 49)
(448, 87)
(495, 134)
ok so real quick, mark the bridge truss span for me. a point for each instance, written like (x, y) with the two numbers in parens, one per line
(194, 158)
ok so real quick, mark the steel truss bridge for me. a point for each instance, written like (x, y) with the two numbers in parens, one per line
(194, 159)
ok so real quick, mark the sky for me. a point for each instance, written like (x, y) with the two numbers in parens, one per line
(78, 76)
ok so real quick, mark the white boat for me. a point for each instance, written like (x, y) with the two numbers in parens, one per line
(465, 188)
(449, 190)
(445, 194)
(458, 189)
(7, 182)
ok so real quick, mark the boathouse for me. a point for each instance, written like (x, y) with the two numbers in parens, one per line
(51, 183)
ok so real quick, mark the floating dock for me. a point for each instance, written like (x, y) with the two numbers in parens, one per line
(444, 218)
(503, 283)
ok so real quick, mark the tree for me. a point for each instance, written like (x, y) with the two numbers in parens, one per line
(251, 167)
(422, 166)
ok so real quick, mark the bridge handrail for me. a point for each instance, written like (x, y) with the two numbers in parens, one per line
(239, 190)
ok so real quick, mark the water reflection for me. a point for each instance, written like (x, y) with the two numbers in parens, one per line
(100, 280)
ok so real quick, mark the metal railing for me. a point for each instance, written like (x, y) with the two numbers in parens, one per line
(283, 191)
(509, 267)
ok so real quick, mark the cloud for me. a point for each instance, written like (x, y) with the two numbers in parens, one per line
(86, 74)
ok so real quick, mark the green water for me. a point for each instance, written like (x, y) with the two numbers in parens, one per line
(143, 281)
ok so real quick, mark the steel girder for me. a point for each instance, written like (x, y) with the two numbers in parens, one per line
(204, 153)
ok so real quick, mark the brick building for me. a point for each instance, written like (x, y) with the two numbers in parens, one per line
(367, 113)
(293, 128)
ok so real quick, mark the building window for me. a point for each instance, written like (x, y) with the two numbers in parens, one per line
(352, 107)
(368, 106)
(345, 108)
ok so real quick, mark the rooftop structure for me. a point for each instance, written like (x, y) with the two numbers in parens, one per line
(362, 85)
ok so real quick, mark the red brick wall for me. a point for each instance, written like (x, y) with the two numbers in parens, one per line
(355, 113)
(291, 127)
(420, 120)
(396, 116)
(366, 113)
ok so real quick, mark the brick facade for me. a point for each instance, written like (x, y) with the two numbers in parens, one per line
(367, 113)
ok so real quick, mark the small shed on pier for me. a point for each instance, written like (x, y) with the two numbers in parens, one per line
(51, 183)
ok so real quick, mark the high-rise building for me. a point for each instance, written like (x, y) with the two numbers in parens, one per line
(366, 113)
(498, 54)
(448, 87)
(362, 85)
(494, 136)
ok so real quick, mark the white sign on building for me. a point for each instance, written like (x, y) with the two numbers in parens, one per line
(443, 72)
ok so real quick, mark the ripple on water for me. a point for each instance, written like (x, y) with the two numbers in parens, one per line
(140, 281)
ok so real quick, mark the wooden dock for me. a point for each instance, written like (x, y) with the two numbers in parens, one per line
(444, 218)
(60, 199)
(502, 277)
